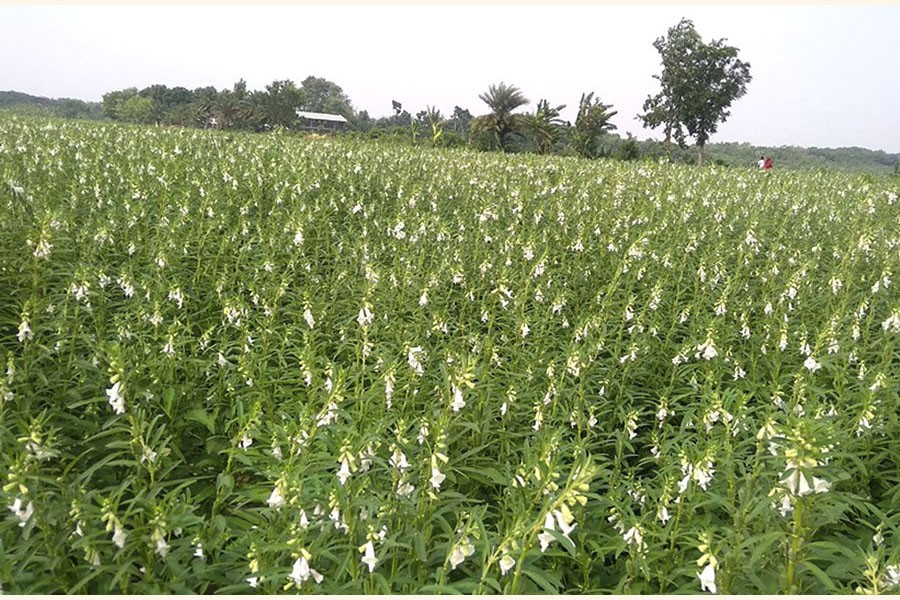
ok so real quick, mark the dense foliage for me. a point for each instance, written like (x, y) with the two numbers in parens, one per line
(698, 84)
(236, 362)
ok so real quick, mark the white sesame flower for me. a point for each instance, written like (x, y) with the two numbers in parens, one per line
(176, 297)
(43, 249)
(398, 460)
(22, 514)
(365, 316)
(308, 316)
(344, 472)
(634, 537)
(784, 506)
(116, 399)
(149, 455)
(820, 486)
(506, 563)
(458, 402)
(302, 572)
(663, 514)
(368, 559)
(389, 387)
(565, 521)
(461, 551)
(811, 364)
(545, 537)
(162, 548)
(413, 357)
(252, 581)
(892, 576)
(119, 536)
(437, 478)
(25, 332)
(405, 488)
(708, 578)
(276, 500)
(892, 323)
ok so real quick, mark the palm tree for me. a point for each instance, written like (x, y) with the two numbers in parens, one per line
(592, 122)
(203, 107)
(544, 126)
(500, 125)
(276, 106)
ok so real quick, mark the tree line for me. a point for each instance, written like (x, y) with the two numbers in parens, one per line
(698, 82)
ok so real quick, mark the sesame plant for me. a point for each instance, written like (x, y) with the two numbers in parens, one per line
(237, 363)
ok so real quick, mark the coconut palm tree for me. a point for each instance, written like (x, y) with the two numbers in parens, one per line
(501, 124)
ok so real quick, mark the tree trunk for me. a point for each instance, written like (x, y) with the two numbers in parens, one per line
(700, 155)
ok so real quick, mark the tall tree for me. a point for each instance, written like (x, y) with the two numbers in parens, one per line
(545, 126)
(460, 122)
(232, 109)
(501, 124)
(698, 84)
(590, 125)
(203, 107)
(320, 95)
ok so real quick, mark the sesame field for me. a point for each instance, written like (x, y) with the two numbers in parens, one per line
(260, 363)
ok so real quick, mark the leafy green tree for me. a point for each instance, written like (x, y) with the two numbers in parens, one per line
(317, 94)
(629, 150)
(592, 122)
(165, 101)
(113, 101)
(544, 127)
(499, 127)
(138, 109)
(459, 123)
(698, 84)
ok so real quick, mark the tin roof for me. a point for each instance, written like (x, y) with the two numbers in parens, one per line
(320, 116)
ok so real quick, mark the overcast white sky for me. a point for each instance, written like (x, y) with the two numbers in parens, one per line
(823, 75)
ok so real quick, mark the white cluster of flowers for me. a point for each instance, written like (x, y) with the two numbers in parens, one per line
(796, 484)
(701, 473)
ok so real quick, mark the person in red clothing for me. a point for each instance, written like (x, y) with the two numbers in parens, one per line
(768, 164)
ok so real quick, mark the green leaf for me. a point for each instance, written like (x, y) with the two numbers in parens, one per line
(824, 579)
(541, 580)
(199, 415)
(224, 483)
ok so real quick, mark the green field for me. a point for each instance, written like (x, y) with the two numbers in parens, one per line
(262, 363)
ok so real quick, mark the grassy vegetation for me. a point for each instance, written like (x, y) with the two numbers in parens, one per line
(236, 363)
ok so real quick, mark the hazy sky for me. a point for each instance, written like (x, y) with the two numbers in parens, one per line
(823, 75)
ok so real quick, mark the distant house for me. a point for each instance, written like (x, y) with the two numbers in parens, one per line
(313, 121)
